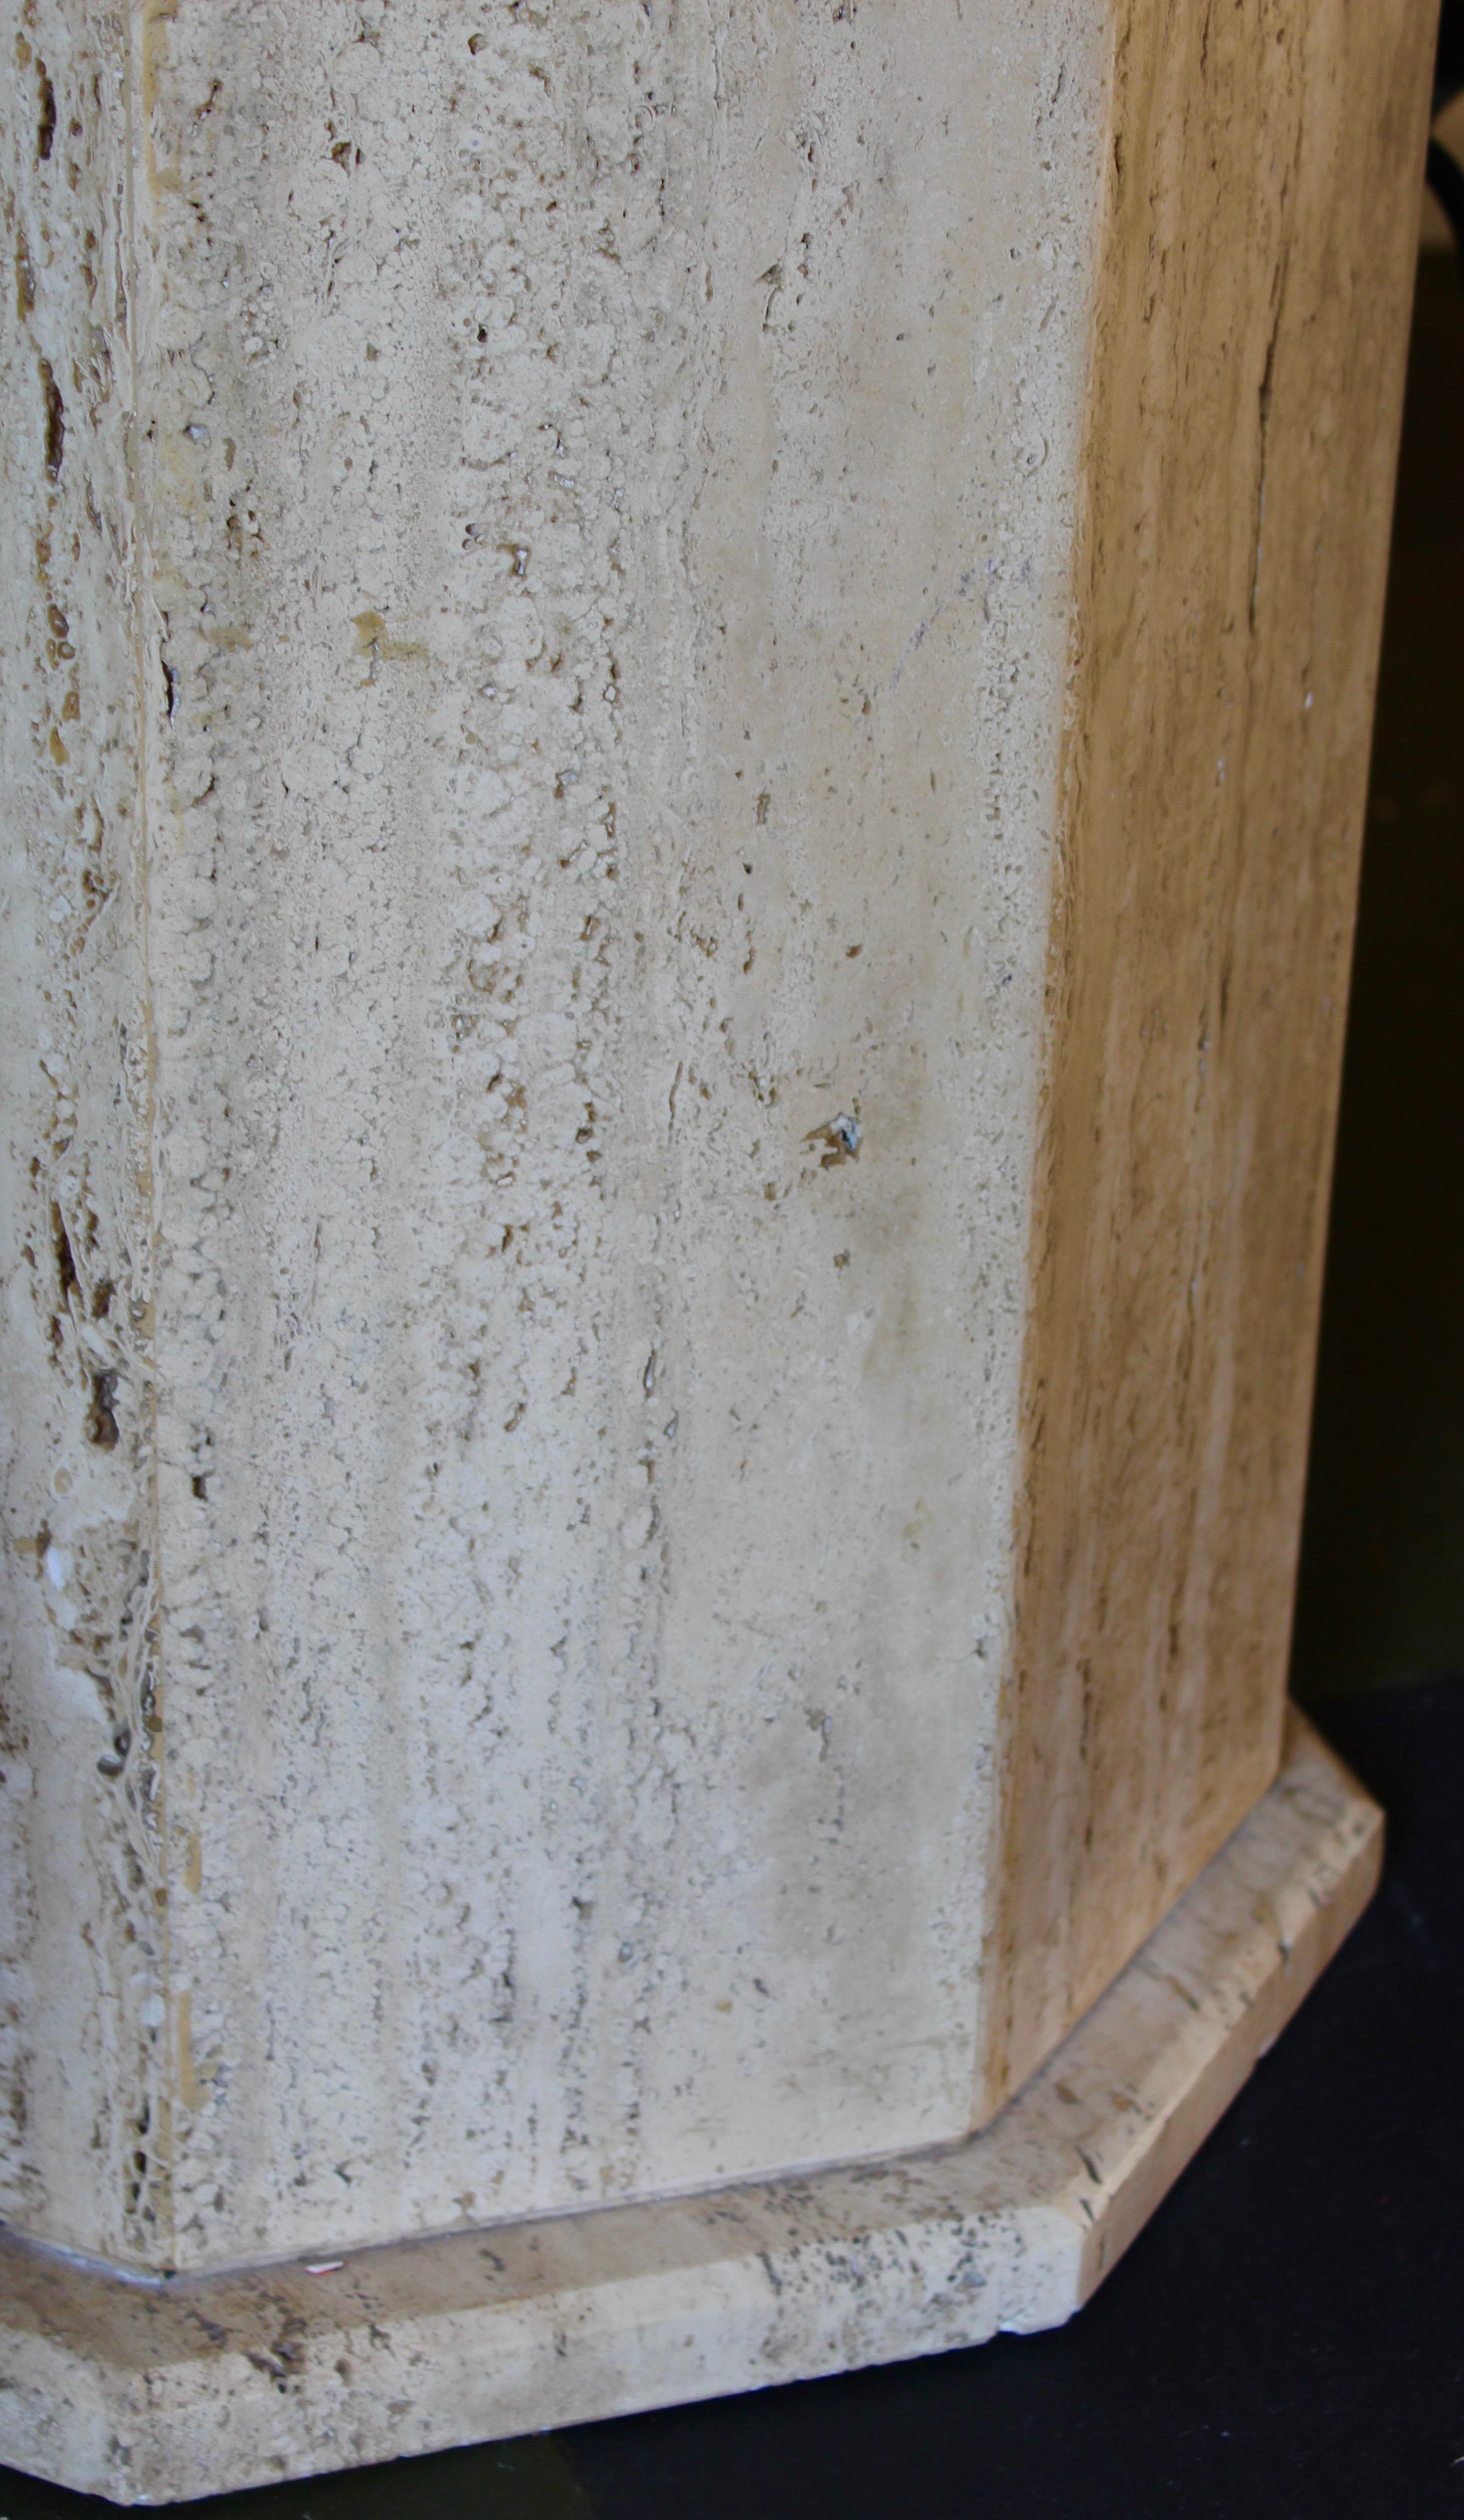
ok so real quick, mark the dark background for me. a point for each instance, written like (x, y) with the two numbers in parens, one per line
(1382, 1584)
(1285, 2341)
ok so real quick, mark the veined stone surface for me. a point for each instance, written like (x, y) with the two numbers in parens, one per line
(676, 934)
(603, 513)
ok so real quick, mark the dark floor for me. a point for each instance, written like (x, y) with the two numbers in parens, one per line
(1285, 2341)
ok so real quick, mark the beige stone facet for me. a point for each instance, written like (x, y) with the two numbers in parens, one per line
(1250, 328)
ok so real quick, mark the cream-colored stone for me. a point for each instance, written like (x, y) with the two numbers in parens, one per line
(600, 538)
(685, 702)
(149, 2393)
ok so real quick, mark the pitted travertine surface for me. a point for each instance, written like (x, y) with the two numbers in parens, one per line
(594, 578)
(83, 1950)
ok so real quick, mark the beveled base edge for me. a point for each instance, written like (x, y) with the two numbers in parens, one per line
(153, 2394)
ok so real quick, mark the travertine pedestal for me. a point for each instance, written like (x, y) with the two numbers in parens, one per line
(685, 697)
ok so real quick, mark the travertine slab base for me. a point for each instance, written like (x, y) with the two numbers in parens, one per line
(149, 2392)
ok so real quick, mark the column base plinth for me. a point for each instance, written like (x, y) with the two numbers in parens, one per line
(154, 2392)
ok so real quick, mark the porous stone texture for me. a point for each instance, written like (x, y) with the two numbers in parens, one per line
(658, 1291)
(149, 2393)
(593, 589)
(83, 1914)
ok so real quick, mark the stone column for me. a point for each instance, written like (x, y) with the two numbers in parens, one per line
(686, 703)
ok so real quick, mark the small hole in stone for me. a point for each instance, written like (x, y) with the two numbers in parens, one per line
(46, 130)
(56, 422)
(101, 1422)
(65, 1265)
